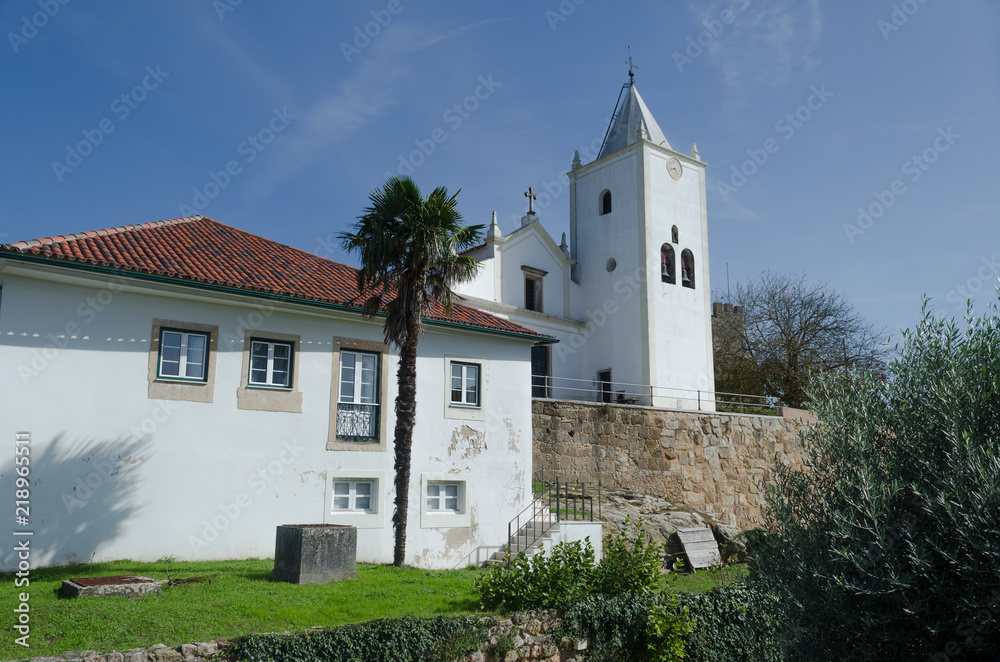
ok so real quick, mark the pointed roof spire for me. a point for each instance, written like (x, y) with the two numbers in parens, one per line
(694, 151)
(563, 246)
(494, 231)
(625, 130)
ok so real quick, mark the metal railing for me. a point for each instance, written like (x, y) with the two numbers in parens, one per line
(551, 503)
(358, 422)
(625, 393)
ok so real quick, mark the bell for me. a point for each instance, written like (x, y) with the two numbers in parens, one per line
(684, 276)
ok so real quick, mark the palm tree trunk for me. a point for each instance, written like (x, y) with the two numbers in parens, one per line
(406, 402)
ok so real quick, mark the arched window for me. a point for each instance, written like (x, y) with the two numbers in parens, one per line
(606, 202)
(673, 234)
(687, 268)
(667, 269)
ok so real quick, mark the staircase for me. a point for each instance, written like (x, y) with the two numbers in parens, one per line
(529, 537)
(539, 522)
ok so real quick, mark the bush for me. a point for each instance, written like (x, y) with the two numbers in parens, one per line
(387, 640)
(737, 622)
(631, 564)
(887, 547)
(539, 582)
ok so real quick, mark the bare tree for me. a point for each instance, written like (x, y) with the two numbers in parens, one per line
(781, 330)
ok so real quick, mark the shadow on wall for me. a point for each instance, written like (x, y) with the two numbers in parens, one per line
(83, 493)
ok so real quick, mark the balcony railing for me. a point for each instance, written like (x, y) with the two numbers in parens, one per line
(586, 390)
(357, 422)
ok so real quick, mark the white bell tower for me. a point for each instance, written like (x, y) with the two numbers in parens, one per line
(639, 237)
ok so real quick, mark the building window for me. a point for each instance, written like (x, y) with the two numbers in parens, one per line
(668, 268)
(606, 202)
(673, 234)
(687, 268)
(465, 384)
(445, 502)
(353, 496)
(355, 499)
(533, 291)
(357, 405)
(183, 355)
(270, 364)
(444, 498)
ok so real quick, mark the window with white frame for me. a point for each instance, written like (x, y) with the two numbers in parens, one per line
(357, 403)
(183, 355)
(444, 498)
(465, 384)
(353, 496)
(270, 364)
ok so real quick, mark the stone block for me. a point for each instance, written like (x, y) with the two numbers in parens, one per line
(315, 553)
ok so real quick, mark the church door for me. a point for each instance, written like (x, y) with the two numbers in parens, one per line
(540, 371)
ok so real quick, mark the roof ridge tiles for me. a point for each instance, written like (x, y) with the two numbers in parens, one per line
(44, 241)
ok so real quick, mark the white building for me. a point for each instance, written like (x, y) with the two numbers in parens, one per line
(629, 298)
(186, 387)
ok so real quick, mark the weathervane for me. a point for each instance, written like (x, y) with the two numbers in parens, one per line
(631, 75)
(530, 195)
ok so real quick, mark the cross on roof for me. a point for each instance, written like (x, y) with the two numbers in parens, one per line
(530, 195)
(630, 65)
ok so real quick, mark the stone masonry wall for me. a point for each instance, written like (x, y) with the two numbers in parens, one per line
(714, 462)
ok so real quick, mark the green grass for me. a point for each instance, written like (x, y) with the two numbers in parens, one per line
(241, 600)
(704, 580)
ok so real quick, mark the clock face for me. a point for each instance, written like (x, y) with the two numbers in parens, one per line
(675, 168)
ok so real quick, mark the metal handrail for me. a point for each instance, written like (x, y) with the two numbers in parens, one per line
(546, 510)
(569, 388)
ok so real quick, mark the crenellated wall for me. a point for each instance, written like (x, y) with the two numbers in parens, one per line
(714, 462)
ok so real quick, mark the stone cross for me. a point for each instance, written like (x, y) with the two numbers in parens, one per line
(530, 195)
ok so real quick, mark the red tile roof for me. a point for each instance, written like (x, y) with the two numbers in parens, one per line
(198, 249)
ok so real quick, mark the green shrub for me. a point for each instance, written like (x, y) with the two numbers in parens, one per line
(387, 640)
(631, 563)
(541, 581)
(629, 627)
(887, 547)
(737, 622)
(668, 625)
(614, 626)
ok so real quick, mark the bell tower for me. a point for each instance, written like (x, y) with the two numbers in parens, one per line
(639, 238)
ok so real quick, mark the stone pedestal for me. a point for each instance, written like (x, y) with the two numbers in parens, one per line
(315, 553)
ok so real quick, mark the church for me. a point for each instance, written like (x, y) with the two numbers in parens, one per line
(629, 296)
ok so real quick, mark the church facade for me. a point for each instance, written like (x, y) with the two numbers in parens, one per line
(629, 296)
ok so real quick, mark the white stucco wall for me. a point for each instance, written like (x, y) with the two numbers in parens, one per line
(119, 475)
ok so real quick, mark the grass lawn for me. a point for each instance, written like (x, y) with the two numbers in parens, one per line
(241, 600)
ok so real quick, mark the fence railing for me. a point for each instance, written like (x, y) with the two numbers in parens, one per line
(611, 392)
(551, 503)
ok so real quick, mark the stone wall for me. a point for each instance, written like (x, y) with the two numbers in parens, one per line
(714, 462)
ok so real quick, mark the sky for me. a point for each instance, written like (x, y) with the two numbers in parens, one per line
(853, 141)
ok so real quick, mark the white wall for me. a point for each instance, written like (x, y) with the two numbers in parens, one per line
(119, 475)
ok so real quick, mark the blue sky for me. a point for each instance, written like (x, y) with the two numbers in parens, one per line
(279, 118)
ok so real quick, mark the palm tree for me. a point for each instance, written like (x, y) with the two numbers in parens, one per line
(410, 249)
